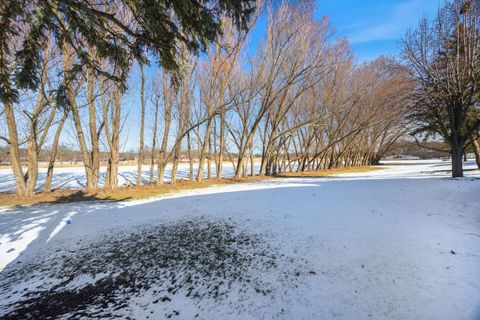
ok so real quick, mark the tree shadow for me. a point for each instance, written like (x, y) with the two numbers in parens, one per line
(80, 196)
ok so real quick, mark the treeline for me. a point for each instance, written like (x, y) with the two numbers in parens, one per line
(300, 103)
(428, 150)
(64, 154)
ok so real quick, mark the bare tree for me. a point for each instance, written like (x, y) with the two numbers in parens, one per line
(443, 56)
(39, 118)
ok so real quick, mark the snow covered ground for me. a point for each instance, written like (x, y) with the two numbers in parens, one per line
(75, 178)
(399, 243)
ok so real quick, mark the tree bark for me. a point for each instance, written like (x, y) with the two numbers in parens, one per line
(476, 150)
(142, 129)
(203, 151)
(190, 157)
(221, 145)
(252, 164)
(457, 160)
(53, 153)
(113, 140)
(209, 158)
(92, 181)
(167, 105)
(32, 158)
(175, 159)
(14, 150)
(154, 142)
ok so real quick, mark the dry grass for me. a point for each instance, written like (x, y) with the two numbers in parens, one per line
(149, 191)
(329, 172)
(119, 194)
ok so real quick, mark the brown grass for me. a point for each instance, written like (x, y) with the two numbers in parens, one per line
(329, 172)
(119, 194)
(149, 191)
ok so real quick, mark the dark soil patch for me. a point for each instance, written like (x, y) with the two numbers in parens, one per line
(200, 259)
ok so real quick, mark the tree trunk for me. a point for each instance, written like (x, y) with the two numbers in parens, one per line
(14, 150)
(175, 158)
(167, 107)
(241, 154)
(209, 158)
(142, 129)
(201, 161)
(161, 169)
(53, 153)
(457, 160)
(92, 181)
(114, 159)
(221, 145)
(162, 159)
(252, 164)
(154, 142)
(476, 150)
(190, 158)
(32, 158)
(243, 151)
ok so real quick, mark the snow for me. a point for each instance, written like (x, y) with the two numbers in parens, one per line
(398, 243)
(75, 178)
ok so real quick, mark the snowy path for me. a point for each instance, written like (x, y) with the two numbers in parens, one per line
(400, 243)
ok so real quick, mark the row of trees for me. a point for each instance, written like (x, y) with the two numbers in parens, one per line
(301, 102)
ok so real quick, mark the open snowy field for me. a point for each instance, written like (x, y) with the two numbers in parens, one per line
(75, 178)
(399, 243)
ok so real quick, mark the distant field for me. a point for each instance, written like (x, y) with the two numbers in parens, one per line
(73, 177)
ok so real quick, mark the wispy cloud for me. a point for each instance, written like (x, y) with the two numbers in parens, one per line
(393, 25)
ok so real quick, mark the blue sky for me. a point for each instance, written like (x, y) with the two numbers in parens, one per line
(373, 27)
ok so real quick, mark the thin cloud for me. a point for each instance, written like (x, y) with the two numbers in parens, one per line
(392, 26)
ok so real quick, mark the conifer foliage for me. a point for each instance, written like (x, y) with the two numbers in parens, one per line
(118, 30)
